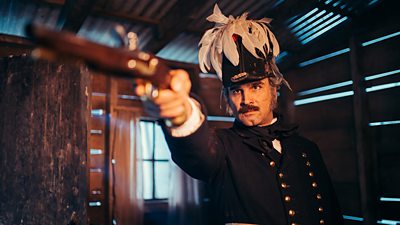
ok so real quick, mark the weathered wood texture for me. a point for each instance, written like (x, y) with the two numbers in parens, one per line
(43, 142)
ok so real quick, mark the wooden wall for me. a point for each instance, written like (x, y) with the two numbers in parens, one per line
(108, 94)
(43, 130)
(361, 158)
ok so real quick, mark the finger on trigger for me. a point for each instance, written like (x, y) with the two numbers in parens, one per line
(138, 87)
(179, 81)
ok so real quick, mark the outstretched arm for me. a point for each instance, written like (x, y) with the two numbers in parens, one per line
(192, 145)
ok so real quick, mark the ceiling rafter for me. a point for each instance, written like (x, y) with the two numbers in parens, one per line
(73, 14)
(125, 16)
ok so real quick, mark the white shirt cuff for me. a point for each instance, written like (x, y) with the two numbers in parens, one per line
(192, 123)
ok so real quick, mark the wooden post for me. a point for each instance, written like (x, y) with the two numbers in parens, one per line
(43, 142)
(366, 157)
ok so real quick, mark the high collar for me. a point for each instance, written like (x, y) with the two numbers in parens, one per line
(276, 130)
(260, 138)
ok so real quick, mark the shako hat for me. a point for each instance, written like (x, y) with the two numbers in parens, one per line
(239, 50)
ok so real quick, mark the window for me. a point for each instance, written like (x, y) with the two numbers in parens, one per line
(156, 156)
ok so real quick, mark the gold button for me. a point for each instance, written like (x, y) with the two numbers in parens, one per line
(292, 212)
(293, 224)
(284, 185)
(314, 184)
(319, 196)
(308, 163)
(320, 209)
(280, 175)
(321, 222)
(311, 174)
(287, 198)
(272, 163)
(304, 155)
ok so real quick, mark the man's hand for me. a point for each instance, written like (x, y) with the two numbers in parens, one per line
(171, 103)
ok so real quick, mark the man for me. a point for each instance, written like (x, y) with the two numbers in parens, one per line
(260, 170)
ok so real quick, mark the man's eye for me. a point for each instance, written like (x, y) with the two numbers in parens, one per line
(237, 91)
(256, 87)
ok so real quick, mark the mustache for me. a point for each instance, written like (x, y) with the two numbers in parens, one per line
(248, 108)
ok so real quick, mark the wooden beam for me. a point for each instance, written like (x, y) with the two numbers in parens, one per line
(6, 39)
(365, 153)
(43, 130)
(173, 23)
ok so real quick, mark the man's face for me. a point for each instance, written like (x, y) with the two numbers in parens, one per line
(252, 103)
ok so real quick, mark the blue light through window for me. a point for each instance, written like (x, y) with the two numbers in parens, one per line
(324, 30)
(281, 56)
(316, 22)
(354, 218)
(306, 29)
(382, 87)
(388, 222)
(318, 59)
(313, 31)
(384, 123)
(302, 18)
(308, 21)
(97, 112)
(220, 118)
(376, 76)
(325, 88)
(386, 199)
(156, 161)
(336, 3)
(372, 2)
(380, 39)
(323, 98)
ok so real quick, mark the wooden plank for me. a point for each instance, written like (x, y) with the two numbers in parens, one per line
(380, 57)
(389, 168)
(349, 198)
(98, 123)
(320, 74)
(99, 83)
(14, 46)
(389, 210)
(43, 130)
(335, 113)
(210, 94)
(386, 139)
(384, 105)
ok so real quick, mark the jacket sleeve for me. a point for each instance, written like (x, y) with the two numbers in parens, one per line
(199, 154)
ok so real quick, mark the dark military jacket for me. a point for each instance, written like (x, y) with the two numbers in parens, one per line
(253, 183)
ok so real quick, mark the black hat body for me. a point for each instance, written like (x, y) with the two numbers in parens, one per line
(249, 68)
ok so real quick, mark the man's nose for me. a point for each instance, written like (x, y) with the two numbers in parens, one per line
(247, 97)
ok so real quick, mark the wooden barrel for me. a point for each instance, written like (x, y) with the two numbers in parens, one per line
(43, 142)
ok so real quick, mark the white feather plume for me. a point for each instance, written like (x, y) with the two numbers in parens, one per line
(218, 40)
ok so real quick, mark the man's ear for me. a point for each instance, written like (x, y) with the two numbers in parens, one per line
(275, 90)
(228, 108)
